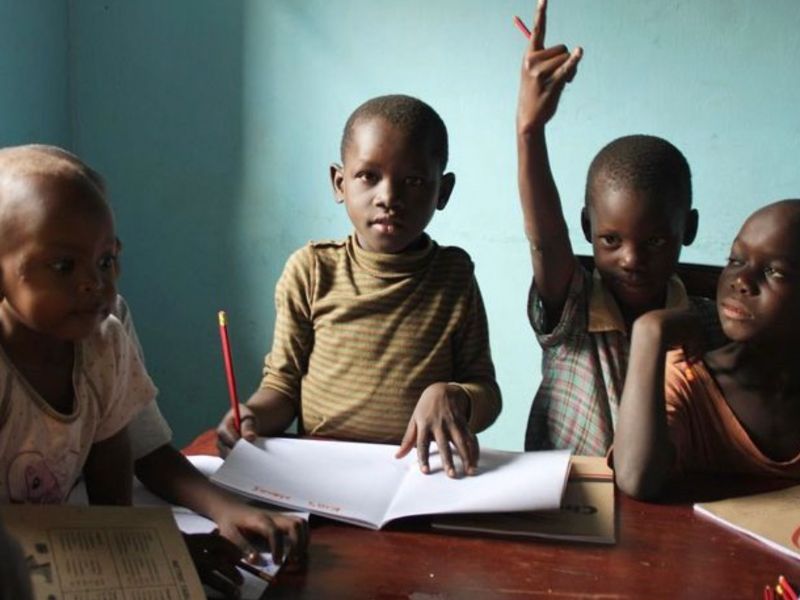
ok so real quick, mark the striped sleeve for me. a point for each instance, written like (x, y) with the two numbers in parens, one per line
(293, 339)
(473, 367)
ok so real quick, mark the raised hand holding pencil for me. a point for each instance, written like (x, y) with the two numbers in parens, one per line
(545, 72)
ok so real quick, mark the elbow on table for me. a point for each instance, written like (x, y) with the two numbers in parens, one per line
(639, 482)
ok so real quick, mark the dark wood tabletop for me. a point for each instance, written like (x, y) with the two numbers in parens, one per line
(663, 550)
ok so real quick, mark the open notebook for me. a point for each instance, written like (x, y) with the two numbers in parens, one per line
(364, 484)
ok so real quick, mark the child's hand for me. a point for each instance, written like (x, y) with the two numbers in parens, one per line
(673, 328)
(286, 536)
(215, 559)
(440, 416)
(227, 435)
(545, 72)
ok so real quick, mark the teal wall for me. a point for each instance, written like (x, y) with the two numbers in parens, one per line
(33, 72)
(215, 122)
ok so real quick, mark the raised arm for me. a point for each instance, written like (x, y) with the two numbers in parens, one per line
(545, 72)
(643, 452)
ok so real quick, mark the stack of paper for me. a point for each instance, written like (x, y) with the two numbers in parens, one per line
(586, 513)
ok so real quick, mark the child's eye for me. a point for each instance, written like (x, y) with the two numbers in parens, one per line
(109, 261)
(656, 242)
(609, 240)
(367, 177)
(414, 181)
(63, 266)
(774, 273)
(733, 261)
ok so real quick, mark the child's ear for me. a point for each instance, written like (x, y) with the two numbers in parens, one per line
(586, 225)
(446, 186)
(690, 228)
(337, 182)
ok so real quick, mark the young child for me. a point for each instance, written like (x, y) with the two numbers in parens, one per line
(72, 372)
(737, 409)
(71, 377)
(383, 336)
(637, 215)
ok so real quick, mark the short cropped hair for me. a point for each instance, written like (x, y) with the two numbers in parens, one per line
(409, 114)
(20, 163)
(44, 160)
(645, 163)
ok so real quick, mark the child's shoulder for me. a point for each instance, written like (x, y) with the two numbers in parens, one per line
(451, 267)
(455, 253)
(315, 251)
(319, 247)
(110, 334)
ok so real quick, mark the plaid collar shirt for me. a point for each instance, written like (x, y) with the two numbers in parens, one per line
(585, 357)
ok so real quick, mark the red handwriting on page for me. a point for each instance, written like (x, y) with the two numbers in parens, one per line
(262, 491)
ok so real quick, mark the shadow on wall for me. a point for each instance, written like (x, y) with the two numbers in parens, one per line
(157, 95)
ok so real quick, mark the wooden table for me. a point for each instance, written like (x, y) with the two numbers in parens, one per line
(662, 551)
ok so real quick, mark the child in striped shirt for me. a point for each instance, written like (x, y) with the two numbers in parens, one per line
(382, 336)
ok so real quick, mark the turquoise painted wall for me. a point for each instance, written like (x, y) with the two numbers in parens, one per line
(215, 122)
(33, 72)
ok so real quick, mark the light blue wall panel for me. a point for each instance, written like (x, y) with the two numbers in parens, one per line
(215, 123)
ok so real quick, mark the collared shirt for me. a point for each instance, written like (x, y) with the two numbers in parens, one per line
(585, 357)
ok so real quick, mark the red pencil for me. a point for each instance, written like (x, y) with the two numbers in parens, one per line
(521, 26)
(768, 595)
(228, 358)
(787, 589)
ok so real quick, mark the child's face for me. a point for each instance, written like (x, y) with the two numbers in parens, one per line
(390, 185)
(758, 294)
(58, 273)
(636, 241)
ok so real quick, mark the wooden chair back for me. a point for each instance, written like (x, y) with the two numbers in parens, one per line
(700, 280)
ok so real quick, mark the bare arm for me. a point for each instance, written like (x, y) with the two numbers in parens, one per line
(545, 72)
(169, 474)
(643, 452)
(109, 471)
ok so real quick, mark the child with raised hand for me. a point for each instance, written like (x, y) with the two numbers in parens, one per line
(72, 379)
(737, 408)
(637, 215)
(383, 336)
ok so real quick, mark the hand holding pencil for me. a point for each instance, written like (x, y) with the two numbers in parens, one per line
(267, 412)
(240, 421)
(545, 72)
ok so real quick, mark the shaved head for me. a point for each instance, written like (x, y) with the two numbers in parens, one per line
(34, 177)
(779, 219)
(787, 209)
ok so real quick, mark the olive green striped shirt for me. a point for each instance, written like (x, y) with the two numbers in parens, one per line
(360, 335)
